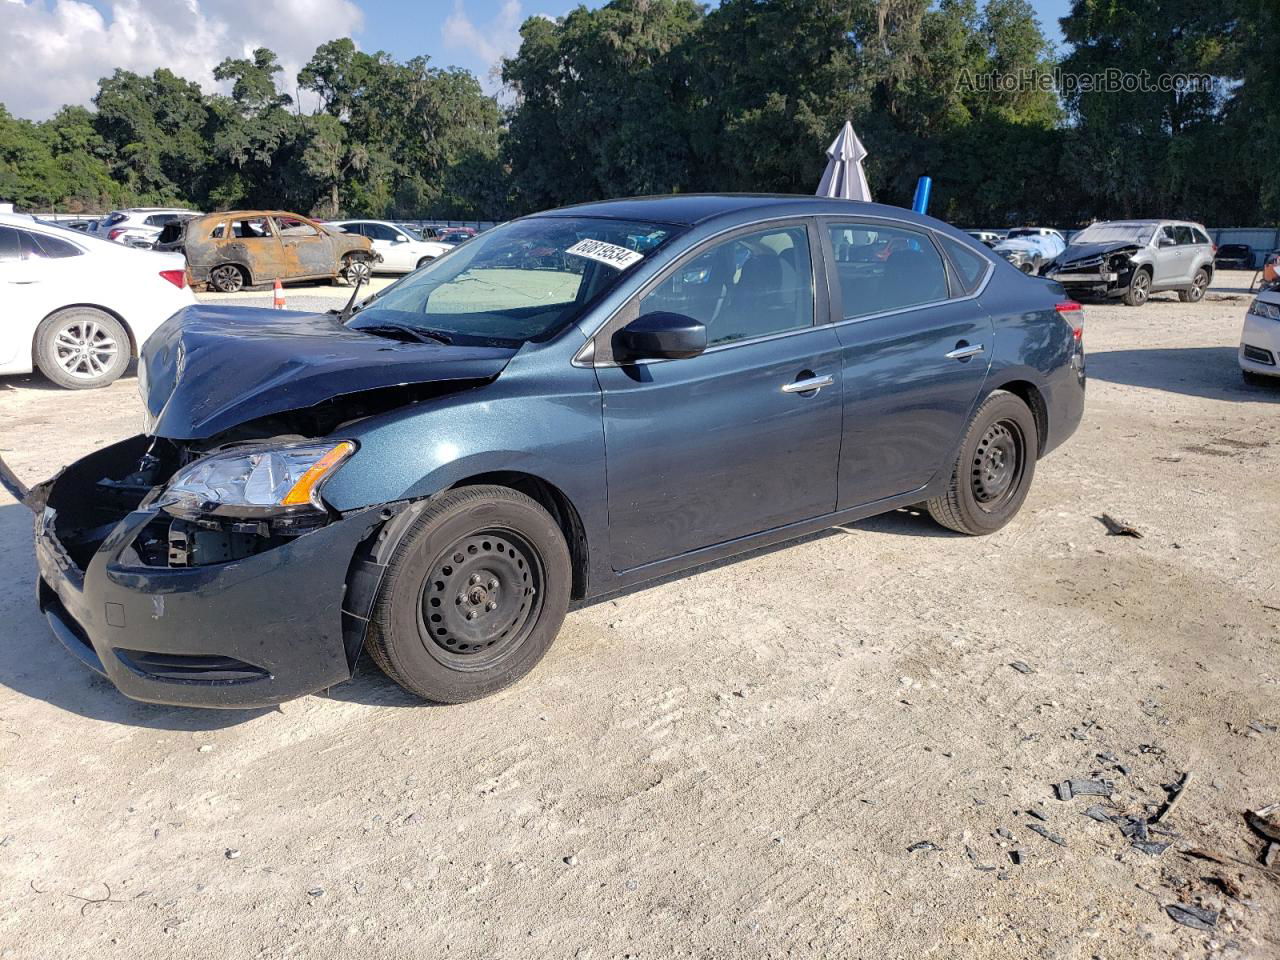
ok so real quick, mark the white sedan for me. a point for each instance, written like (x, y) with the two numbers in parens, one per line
(403, 250)
(79, 308)
(1260, 340)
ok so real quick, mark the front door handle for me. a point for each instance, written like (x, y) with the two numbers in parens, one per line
(965, 350)
(808, 385)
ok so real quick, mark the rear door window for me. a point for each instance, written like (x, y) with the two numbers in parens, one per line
(252, 228)
(1184, 236)
(10, 247)
(1201, 238)
(46, 247)
(883, 268)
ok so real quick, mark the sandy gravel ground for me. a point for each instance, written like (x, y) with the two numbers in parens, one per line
(736, 764)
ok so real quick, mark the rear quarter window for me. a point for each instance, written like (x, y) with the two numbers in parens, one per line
(970, 266)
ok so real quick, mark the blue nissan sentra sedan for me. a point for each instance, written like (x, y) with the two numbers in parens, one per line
(566, 405)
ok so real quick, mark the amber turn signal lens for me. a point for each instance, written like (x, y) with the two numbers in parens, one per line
(304, 491)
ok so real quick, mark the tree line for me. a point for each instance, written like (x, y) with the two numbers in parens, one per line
(661, 96)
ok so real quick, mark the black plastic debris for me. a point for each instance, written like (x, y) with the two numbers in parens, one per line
(1197, 918)
(1258, 727)
(1047, 834)
(1063, 790)
(1021, 667)
(1003, 832)
(1090, 788)
(1017, 856)
(923, 845)
(1098, 812)
(1151, 847)
(1038, 815)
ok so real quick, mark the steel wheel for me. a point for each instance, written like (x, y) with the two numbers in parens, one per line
(226, 278)
(481, 598)
(997, 466)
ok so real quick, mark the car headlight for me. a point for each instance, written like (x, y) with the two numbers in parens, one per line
(1260, 308)
(255, 481)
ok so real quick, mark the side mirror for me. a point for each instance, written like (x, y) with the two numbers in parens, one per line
(1167, 241)
(400, 238)
(660, 336)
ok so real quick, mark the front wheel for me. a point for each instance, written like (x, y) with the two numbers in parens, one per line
(1139, 291)
(1199, 284)
(356, 268)
(472, 597)
(423, 262)
(226, 278)
(993, 472)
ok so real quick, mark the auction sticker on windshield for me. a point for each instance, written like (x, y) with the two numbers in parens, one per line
(617, 257)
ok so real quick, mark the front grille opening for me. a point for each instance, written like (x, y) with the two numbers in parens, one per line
(1258, 355)
(190, 668)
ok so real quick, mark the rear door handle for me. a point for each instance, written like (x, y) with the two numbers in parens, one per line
(809, 385)
(964, 351)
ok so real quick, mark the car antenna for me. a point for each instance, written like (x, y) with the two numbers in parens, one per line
(345, 315)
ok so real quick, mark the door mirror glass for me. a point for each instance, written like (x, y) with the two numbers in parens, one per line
(660, 336)
(1167, 241)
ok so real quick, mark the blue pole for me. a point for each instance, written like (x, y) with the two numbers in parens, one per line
(923, 187)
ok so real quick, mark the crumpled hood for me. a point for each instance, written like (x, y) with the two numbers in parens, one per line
(1089, 251)
(1019, 244)
(209, 368)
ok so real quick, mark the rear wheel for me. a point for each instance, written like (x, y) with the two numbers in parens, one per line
(424, 261)
(472, 597)
(1139, 291)
(80, 348)
(993, 472)
(1199, 284)
(227, 278)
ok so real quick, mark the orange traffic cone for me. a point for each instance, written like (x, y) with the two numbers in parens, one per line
(277, 300)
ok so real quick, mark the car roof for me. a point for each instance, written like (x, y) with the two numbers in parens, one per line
(691, 209)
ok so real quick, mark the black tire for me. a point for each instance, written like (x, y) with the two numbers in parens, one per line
(452, 630)
(1199, 284)
(227, 278)
(423, 262)
(81, 348)
(994, 470)
(1139, 291)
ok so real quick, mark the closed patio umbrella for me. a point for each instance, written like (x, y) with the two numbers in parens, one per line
(844, 177)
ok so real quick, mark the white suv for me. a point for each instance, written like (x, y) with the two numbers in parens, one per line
(403, 249)
(136, 226)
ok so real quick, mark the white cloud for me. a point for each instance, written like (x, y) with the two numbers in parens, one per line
(54, 51)
(485, 44)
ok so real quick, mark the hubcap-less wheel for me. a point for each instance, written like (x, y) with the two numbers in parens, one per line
(481, 597)
(226, 279)
(997, 465)
(1198, 286)
(1140, 288)
(84, 349)
(357, 269)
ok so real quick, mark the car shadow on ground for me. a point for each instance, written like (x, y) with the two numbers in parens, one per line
(34, 664)
(1209, 372)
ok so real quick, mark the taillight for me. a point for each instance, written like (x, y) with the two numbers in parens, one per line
(112, 234)
(1073, 313)
(177, 277)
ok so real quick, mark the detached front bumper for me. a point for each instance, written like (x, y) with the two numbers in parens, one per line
(245, 633)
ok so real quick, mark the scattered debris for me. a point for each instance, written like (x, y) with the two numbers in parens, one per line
(1178, 790)
(973, 857)
(1197, 918)
(923, 845)
(1271, 855)
(1063, 790)
(1226, 885)
(1151, 847)
(1263, 823)
(1259, 727)
(1039, 815)
(1017, 856)
(571, 861)
(1090, 788)
(1099, 813)
(1118, 528)
(1047, 834)
(205, 747)
(1002, 832)
(316, 892)
(1021, 667)
(87, 902)
(232, 854)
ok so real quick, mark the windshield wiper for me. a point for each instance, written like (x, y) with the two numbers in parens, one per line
(421, 336)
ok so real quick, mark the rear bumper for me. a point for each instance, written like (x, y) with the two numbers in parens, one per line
(247, 633)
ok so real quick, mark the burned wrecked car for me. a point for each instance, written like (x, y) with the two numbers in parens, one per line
(436, 473)
(244, 248)
(1133, 259)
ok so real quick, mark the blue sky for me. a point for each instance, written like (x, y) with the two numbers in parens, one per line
(70, 44)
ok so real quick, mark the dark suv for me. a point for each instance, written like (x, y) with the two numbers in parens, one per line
(564, 406)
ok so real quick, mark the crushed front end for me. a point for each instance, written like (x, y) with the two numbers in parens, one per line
(182, 602)
(1094, 272)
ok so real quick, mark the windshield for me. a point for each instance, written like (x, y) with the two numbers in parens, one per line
(413, 232)
(1139, 233)
(525, 280)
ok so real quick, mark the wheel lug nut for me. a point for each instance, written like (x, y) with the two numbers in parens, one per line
(471, 614)
(491, 606)
(493, 584)
(475, 578)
